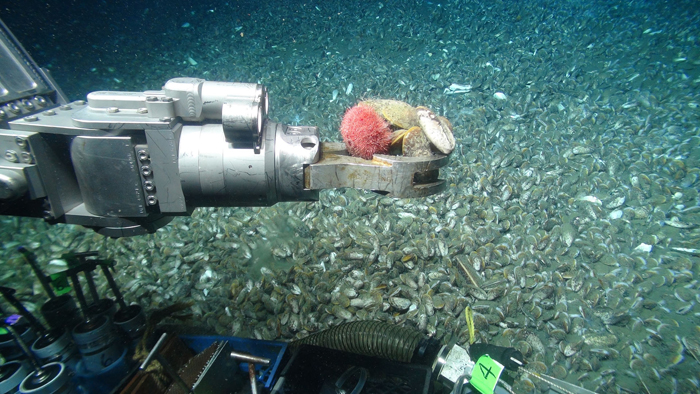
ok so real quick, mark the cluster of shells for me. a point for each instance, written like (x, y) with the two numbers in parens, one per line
(570, 224)
(417, 131)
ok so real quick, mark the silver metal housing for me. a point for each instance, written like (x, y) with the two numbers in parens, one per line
(124, 163)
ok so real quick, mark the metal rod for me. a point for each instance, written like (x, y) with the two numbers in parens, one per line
(113, 286)
(164, 363)
(515, 360)
(9, 295)
(251, 376)
(79, 292)
(32, 357)
(30, 258)
(559, 385)
(91, 286)
(249, 358)
(153, 352)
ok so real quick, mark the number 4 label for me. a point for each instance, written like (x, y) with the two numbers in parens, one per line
(485, 374)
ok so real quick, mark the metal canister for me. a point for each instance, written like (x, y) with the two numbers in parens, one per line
(52, 378)
(98, 343)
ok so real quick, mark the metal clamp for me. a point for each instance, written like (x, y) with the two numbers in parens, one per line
(396, 176)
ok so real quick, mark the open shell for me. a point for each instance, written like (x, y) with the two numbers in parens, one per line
(437, 131)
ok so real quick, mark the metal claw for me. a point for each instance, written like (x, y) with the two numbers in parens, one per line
(395, 176)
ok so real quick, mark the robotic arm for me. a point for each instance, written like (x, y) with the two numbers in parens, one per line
(125, 163)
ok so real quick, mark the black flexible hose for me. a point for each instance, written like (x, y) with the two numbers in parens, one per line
(369, 338)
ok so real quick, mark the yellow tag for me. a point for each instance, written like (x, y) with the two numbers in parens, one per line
(469, 316)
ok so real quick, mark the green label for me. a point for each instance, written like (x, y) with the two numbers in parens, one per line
(485, 374)
(3, 331)
(59, 282)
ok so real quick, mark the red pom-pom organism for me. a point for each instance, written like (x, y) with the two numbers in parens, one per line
(365, 132)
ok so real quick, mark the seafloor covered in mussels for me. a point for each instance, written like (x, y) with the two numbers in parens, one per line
(572, 197)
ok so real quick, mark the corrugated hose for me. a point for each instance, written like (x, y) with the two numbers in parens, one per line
(369, 338)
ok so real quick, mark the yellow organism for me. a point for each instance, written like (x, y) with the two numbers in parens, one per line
(469, 316)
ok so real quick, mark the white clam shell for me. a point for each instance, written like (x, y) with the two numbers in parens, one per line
(616, 214)
(440, 136)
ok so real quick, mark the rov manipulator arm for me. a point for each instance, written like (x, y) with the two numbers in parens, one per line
(125, 163)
